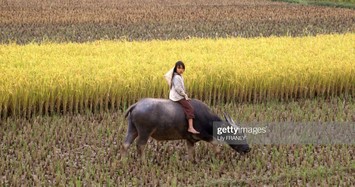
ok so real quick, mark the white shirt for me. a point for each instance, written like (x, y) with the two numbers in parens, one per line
(177, 91)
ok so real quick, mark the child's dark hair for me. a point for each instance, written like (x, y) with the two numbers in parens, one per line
(177, 64)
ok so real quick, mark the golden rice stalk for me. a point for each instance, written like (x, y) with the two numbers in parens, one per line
(97, 76)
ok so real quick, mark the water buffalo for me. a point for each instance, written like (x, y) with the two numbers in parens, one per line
(163, 119)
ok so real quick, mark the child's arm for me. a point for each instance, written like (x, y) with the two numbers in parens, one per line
(177, 83)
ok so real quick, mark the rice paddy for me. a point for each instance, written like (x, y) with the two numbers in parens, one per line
(104, 75)
(70, 69)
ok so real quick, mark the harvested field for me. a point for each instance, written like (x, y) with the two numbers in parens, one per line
(84, 150)
(87, 20)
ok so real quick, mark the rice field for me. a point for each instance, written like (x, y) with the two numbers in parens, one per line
(104, 75)
(70, 69)
(84, 150)
(26, 21)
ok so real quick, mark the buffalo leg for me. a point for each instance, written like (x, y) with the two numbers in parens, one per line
(190, 150)
(141, 142)
(130, 137)
(128, 141)
(215, 143)
(143, 136)
(216, 146)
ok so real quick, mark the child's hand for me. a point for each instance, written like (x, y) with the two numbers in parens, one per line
(187, 98)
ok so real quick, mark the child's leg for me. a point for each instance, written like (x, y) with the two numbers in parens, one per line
(191, 127)
(189, 113)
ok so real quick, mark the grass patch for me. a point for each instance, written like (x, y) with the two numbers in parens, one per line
(335, 3)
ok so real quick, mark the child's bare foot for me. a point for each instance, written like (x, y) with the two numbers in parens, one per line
(193, 131)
